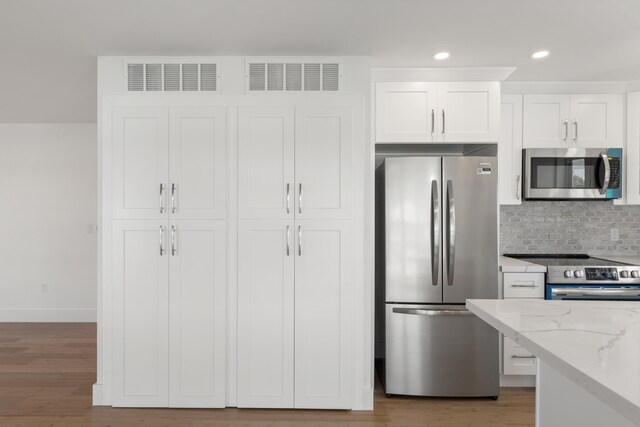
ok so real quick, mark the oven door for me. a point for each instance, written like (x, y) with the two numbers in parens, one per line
(574, 173)
(592, 293)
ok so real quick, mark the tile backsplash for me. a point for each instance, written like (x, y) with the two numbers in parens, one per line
(570, 227)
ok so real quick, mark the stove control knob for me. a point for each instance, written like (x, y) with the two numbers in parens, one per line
(568, 274)
(635, 274)
(624, 274)
(577, 274)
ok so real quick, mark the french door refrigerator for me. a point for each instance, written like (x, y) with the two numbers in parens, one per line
(440, 248)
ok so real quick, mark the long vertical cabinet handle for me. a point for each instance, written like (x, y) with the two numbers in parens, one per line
(433, 121)
(435, 232)
(443, 122)
(173, 198)
(173, 240)
(161, 240)
(288, 240)
(518, 187)
(299, 240)
(451, 235)
(288, 197)
(566, 130)
(300, 198)
(161, 198)
(575, 130)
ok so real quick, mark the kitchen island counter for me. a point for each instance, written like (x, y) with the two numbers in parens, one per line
(588, 353)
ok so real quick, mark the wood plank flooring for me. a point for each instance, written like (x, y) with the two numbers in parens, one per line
(47, 370)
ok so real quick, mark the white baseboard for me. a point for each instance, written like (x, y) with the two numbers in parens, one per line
(97, 395)
(517, 380)
(48, 315)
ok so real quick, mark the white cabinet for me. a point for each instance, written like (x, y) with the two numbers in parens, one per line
(517, 360)
(301, 267)
(169, 313)
(169, 161)
(633, 149)
(565, 121)
(294, 163)
(410, 112)
(265, 313)
(510, 150)
(523, 285)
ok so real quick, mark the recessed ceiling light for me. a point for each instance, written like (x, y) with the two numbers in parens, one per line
(540, 54)
(441, 55)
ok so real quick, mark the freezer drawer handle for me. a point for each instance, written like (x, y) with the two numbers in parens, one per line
(435, 232)
(451, 235)
(429, 312)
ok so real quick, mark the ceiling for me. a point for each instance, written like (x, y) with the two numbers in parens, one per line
(49, 47)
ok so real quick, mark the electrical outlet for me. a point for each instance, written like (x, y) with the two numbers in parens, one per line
(44, 288)
(615, 235)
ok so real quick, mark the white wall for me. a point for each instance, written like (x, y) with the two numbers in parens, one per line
(47, 222)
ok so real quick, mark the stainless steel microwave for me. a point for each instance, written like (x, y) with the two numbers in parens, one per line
(572, 173)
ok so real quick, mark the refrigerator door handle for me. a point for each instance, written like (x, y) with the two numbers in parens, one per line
(432, 312)
(435, 232)
(451, 235)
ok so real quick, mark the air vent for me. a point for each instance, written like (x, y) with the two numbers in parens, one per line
(293, 76)
(172, 75)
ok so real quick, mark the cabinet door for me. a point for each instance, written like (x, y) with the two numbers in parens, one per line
(469, 111)
(546, 121)
(197, 163)
(140, 162)
(265, 314)
(140, 313)
(405, 112)
(197, 256)
(265, 162)
(596, 121)
(323, 162)
(323, 306)
(517, 360)
(510, 150)
(633, 149)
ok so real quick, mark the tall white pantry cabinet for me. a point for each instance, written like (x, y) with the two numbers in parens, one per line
(192, 187)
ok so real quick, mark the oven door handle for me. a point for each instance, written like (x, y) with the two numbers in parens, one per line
(607, 172)
(595, 293)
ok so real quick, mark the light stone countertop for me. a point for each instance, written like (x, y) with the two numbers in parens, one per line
(512, 265)
(596, 344)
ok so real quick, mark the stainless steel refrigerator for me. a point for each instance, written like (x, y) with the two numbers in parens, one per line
(438, 216)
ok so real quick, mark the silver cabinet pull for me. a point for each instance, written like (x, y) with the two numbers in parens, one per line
(299, 240)
(566, 129)
(435, 232)
(518, 187)
(607, 172)
(515, 285)
(451, 235)
(161, 198)
(173, 240)
(288, 198)
(443, 122)
(288, 247)
(300, 198)
(161, 240)
(575, 129)
(515, 356)
(173, 198)
(433, 121)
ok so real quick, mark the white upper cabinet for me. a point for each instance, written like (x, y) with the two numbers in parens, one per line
(266, 162)
(140, 162)
(197, 163)
(510, 150)
(632, 149)
(323, 162)
(405, 112)
(469, 111)
(409, 112)
(565, 121)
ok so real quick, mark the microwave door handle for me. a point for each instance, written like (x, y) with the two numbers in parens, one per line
(607, 173)
(435, 232)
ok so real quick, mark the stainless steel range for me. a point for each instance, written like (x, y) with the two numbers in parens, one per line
(581, 277)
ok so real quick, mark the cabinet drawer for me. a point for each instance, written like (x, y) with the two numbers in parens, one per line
(523, 285)
(517, 360)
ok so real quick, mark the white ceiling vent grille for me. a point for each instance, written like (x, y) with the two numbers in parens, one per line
(172, 74)
(292, 75)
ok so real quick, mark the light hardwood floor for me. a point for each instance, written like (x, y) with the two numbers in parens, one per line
(47, 369)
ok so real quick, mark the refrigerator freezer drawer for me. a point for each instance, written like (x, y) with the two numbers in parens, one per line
(439, 350)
